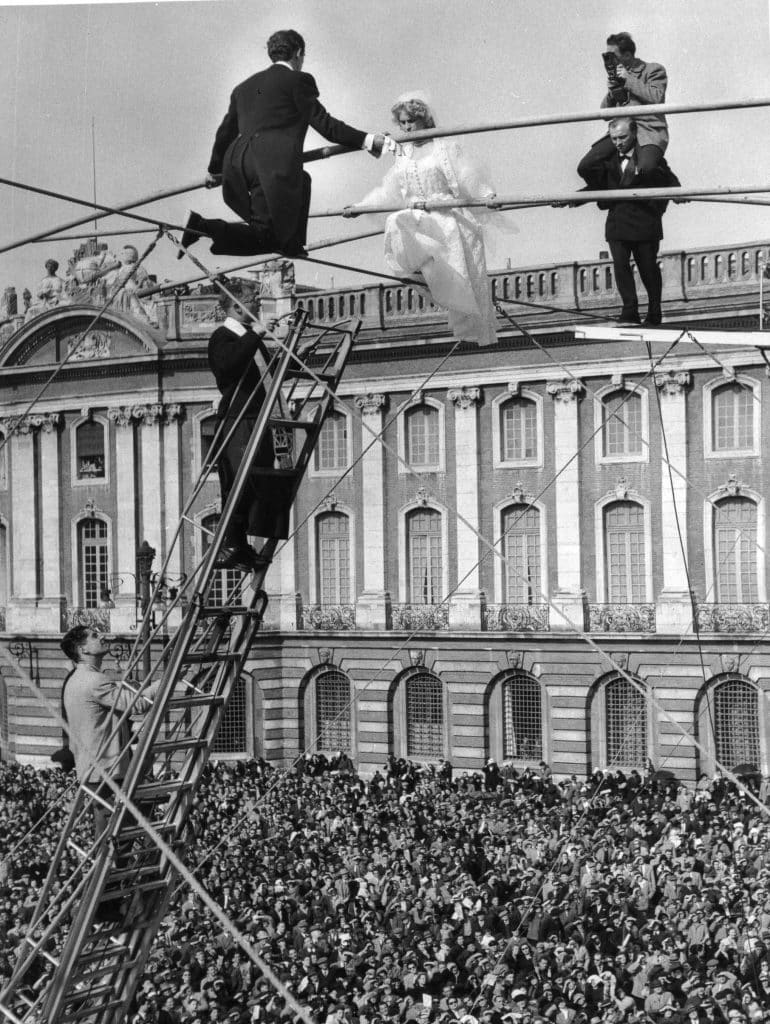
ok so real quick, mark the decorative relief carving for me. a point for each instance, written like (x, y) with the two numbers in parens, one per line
(519, 495)
(672, 383)
(417, 659)
(46, 422)
(422, 497)
(464, 397)
(125, 415)
(567, 390)
(370, 403)
(732, 487)
(95, 345)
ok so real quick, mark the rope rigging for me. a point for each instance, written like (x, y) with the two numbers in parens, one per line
(491, 547)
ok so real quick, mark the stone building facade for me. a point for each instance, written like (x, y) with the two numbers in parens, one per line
(551, 549)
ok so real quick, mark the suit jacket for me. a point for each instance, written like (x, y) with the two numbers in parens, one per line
(646, 84)
(231, 359)
(633, 221)
(259, 144)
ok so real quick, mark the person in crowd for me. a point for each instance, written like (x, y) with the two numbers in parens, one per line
(413, 897)
(257, 156)
(442, 249)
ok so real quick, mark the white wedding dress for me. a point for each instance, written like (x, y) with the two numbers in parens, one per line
(445, 247)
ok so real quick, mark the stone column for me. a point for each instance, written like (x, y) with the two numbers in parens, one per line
(171, 503)
(23, 538)
(50, 506)
(569, 599)
(373, 601)
(123, 616)
(673, 612)
(28, 609)
(281, 585)
(149, 444)
(465, 603)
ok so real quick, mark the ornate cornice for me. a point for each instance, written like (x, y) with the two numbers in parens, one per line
(567, 390)
(149, 414)
(370, 403)
(464, 397)
(47, 422)
(672, 383)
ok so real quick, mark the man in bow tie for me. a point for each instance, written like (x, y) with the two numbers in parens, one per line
(241, 361)
(633, 228)
(257, 157)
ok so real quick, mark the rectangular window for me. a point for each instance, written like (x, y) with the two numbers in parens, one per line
(422, 426)
(519, 430)
(425, 563)
(733, 418)
(331, 451)
(625, 554)
(622, 433)
(333, 559)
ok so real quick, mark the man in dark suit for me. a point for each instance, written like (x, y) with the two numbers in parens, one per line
(257, 156)
(633, 228)
(239, 359)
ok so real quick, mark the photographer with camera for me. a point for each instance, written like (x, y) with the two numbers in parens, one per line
(632, 82)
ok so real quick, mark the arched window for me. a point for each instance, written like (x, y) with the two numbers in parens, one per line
(735, 550)
(424, 716)
(521, 547)
(732, 418)
(332, 707)
(625, 562)
(625, 716)
(90, 451)
(421, 426)
(230, 737)
(736, 723)
(92, 561)
(333, 559)
(331, 450)
(425, 565)
(225, 584)
(522, 719)
(621, 424)
(518, 430)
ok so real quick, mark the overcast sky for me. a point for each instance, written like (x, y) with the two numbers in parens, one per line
(156, 78)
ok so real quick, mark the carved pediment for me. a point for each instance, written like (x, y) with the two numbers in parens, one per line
(69, 333)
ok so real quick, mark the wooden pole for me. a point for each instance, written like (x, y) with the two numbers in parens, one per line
(323, 244)
(562, 198)
(603, 114)
(106, 212)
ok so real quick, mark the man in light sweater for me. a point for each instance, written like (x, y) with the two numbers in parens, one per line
(93, 705)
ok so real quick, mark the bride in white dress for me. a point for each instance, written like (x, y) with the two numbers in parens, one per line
(443, 248)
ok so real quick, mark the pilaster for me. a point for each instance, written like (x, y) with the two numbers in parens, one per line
(673, 612)
(569, 599)
(465, 603)
(372, 604)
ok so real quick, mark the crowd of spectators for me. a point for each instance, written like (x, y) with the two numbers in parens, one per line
(499, 898)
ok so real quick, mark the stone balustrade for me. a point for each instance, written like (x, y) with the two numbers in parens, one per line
(733, 618)
(621, 618)
(516, 618)
(332, 617)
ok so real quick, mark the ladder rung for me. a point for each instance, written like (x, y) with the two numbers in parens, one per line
(42, 952)
(149, 790)
(88, 992)
(92, 1011)
(169, 746)
(134, 873)
(102, 951)
(269, 471)
(195, 700)
(120, 894)
(326, 378)
(137, 832)
(290, 424)
(210, 658)
(215, 611)
(97, 972)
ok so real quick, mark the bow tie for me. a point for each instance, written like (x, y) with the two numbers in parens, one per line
(625, 156)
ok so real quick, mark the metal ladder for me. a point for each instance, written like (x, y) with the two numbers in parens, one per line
(92, 931)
